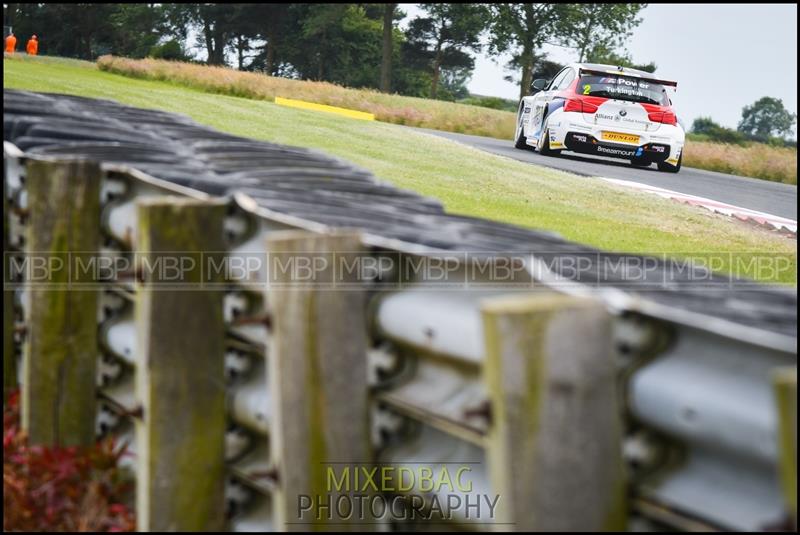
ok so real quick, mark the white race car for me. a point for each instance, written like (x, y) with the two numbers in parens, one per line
(602, 110)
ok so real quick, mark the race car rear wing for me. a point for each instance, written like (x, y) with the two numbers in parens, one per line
(598, 72)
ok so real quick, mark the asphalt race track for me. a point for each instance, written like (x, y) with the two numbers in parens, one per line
(762, 195)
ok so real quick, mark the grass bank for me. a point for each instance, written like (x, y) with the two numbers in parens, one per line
(396, 109)
(778, 164)
(467, 180)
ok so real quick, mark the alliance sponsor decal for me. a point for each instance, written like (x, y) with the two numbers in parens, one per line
(621, 117)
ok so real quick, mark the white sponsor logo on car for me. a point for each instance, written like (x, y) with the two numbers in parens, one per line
(608, 150)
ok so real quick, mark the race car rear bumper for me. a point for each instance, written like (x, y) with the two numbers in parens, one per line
(588, 144)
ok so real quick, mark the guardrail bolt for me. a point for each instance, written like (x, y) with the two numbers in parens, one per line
(482, 410)
(263, 319)
(137, 275)
(271, 475)
(136, 412)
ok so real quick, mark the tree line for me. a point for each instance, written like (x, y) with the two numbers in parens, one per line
(765, 121)
(356, 45)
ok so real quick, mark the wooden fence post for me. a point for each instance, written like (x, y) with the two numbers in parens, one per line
(58, 401)
(318, 377)
(785, 388)
(180, 380)
(554, 446)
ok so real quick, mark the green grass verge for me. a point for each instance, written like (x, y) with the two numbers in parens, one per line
(388, 108)
(467, 180)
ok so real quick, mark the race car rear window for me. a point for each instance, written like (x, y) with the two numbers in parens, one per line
(623, 88)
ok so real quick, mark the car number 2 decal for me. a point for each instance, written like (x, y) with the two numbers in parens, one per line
(586, 89)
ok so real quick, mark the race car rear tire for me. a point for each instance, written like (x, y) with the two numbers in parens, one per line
(544, 148)
(669, 168)
(520, 140)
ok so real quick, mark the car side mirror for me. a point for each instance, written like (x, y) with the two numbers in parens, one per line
(538, 85)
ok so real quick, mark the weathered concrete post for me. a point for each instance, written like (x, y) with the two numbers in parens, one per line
(58, 394)
(554, 446)
(180, 382)
(9, 359)
(785, 386)
(317, 373)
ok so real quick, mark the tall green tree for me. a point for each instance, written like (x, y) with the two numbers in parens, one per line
(601, 54)
(765, 118)
(339, 43)
(137, 28)
(585, 27)
(543, 68)
(321, 42)
(276, 26)
(449, 31)
(389, 14)
(521, 30)
(245, 28)
(213, 22)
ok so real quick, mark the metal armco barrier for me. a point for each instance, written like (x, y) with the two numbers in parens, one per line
(582, 401)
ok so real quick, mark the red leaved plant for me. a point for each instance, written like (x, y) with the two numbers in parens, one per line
(61, 489)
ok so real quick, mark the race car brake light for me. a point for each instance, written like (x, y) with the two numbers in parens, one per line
(665, 117)
(579, 105)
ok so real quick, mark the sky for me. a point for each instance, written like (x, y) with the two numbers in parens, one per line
(723, 56)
